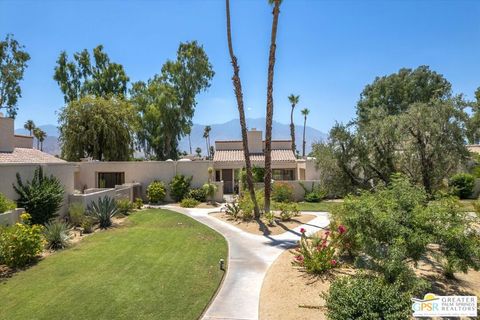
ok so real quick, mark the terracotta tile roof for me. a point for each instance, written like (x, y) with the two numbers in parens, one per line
(237, 155)
(25, 155)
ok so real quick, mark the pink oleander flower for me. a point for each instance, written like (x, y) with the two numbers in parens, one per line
(327, 233)
(333, 262)
(342, 229)
(299, 258)
(302, 230)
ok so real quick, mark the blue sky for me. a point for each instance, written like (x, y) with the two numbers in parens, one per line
(327, 50)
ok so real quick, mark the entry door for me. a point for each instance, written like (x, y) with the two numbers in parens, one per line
(227, 177)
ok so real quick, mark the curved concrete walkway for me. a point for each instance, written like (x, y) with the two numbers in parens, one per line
(249, 258)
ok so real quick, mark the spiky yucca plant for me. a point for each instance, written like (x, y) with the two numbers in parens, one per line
(103, 211)
(57, 234)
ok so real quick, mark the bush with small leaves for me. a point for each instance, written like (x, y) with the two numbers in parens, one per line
(103, 211)
(282, 192)
(57, 234)
(366, 297)
(20, 243)
(189, 203)
(138, 203)
(87, 225)
(6, 204)
(156, 192)
(198, 194)
(210, 190)
(462, 184)
(246, 204)
(76, 214)
(315, 194)
(125, 206)
(179, 187)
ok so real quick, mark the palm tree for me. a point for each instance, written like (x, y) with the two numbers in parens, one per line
(41, 137)
(241, 111)
(293, 101)
(29, 125)
(188, 131)
(198, 151)
(269, 115)
(305, 113)
(206, 135)
(36, 134)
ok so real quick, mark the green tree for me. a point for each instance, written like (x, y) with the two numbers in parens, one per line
(293, 99)
(29, 125)
(206, 136)
(305, 113)
(166, 103)
(13, 62)
(237, 85)
(198, 151)
(84, 76)
(269, 113)
(40, 135)
(473, 122)
(97, 127)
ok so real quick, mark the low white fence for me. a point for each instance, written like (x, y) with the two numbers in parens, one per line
(127, 191)
(11, 217)
(298, 191)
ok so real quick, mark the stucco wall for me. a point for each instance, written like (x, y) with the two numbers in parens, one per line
(6, 134)
(11, 217)
(23, 141)
(63, 171)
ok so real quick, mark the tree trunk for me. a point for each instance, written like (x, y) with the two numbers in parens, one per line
(190, 143)
(292, 131)
(208, 150)
(241, 111)
(269, 116)
(304, 142)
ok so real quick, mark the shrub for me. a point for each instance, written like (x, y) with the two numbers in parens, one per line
(6, 204)
(76, 214)
(189, 203)
(246, 204)
(258, 174)
(269, 217)
(463, 184)
(87, 225)
(103, 211)
(41, 197)
(198, 194)
(366, 297)
(285, 211)
(232, 209)
(156, 192)
(317, 254)
(282, 192)
(179, 187)
(316, 194)
(57, 234)
(210, 189)
(20, 244)
(138, 203)
(125, 206)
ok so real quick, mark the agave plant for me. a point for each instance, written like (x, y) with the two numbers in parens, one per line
(57, 234)
(103, 211)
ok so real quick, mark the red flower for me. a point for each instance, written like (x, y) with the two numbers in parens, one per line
(327, 233)
(302, 230)
(333, 262)
(342, 229)
(299, 258)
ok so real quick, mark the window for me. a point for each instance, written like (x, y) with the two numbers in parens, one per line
(282, 174)
(110, 179)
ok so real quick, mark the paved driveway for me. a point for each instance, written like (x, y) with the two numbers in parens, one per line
(250, 256)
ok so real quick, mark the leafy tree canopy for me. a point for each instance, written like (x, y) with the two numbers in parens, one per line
(82, 76)
(13, 62)
(97, 127)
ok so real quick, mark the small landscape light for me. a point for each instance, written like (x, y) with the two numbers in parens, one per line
(222, 264)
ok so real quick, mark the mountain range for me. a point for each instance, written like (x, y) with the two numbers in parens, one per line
(229, 130)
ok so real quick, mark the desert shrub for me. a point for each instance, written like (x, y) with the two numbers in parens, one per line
(156, 192)
(315, 194)
(246, 204)
(394, 226)
(285, 211)
(138, 203)
(318, 254)
(366, 297)
(179, 187)
(41, 197)
(20, 243)
(57, 234)
(463, 184)
(125, 206)
(103, 210)
(210, 189)
(233, 210)
(269, 217)
(198, 194)
(76, 214)
(189, 203)
(282, 192)
(6, 204)
(258, 174)
(87, 225)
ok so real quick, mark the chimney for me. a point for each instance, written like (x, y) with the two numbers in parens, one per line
(255, 143)
(6, 134)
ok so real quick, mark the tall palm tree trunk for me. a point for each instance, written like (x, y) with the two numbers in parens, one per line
(208, 150)
(241, 111)
(292, 131)
(304, 142)
(269, 115)
(190, 143)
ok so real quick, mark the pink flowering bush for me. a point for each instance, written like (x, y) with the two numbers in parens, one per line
(317, 254)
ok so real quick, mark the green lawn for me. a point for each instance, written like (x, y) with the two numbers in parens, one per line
(160, 265)
(326, 206)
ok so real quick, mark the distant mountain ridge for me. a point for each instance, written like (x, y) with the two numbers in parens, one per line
(229, 130)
